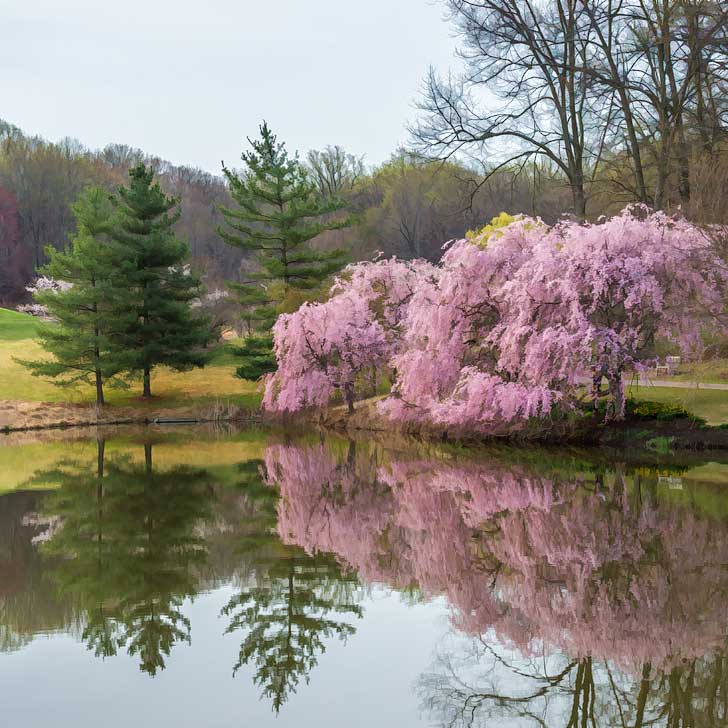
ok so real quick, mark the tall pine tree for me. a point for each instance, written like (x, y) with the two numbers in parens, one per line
(279, 211)
(89, 313)
(157, 283)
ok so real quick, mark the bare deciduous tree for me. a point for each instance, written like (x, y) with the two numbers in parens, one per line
(524, 90)
(334, 170)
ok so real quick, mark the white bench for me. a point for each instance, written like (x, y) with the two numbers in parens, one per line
(670, 367)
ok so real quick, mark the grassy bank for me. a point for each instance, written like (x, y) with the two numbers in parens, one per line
(34, 402)
(198, 386)
(216, 381)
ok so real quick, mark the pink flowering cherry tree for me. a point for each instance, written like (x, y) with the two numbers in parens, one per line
(325, 347)
(594, 297)
(447, 368)
(507, 326)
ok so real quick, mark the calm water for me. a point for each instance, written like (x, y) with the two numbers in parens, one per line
(195, 579)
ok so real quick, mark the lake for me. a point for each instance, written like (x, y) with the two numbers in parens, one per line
(188, 577)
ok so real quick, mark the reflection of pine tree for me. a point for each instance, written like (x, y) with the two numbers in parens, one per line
(128, 536)
(294, 601)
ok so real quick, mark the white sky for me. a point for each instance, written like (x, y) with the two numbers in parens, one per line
(188, 81)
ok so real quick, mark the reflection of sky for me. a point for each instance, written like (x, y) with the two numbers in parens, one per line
(367, 682)
(188, 81)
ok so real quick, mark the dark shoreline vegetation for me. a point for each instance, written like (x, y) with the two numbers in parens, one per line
(637, 435)
(673, 432)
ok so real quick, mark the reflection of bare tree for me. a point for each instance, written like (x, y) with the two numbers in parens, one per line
(477, 681)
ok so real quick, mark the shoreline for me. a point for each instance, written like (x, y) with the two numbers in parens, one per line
(21, 416)
(639, 433)
(654, 435)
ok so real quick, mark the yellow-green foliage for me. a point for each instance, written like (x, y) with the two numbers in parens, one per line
(481, 236)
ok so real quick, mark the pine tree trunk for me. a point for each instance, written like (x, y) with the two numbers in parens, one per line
(97, 361)
(99, 389)
(147, 382)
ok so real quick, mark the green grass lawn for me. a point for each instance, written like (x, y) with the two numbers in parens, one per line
(15, 326)
(199, 386)
(712, 371)
(710, 404)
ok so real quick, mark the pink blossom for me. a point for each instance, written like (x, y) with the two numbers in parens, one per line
(501, 331)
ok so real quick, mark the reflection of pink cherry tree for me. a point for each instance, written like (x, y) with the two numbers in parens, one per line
(632, 586)
(592, 570)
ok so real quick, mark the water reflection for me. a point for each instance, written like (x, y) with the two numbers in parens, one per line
(583, 591)
(124, 543)
(595, 570)
(292, 603)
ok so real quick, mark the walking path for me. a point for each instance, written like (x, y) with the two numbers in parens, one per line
(645, 381)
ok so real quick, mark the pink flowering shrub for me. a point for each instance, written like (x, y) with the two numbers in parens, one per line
(325, 347)
(321, 348)
(508, 324)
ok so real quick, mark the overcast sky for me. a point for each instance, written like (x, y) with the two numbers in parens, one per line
(188, 81)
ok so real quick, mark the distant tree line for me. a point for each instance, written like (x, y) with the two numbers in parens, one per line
(40, 181)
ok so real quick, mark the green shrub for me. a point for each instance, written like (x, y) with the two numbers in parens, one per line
(663, 411)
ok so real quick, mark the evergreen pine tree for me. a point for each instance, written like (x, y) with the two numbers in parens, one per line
(89, 312)
(279, 211)
(156, 282)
